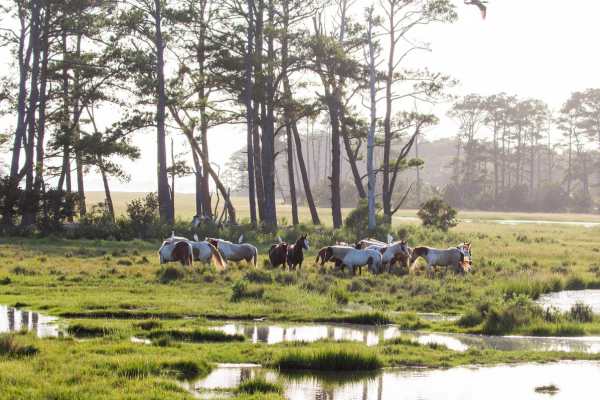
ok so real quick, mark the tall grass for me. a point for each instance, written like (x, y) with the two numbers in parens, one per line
(332, 359)
(259, 385)
(196, 335)
(11, 347)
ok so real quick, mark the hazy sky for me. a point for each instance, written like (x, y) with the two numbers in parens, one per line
(533, 48)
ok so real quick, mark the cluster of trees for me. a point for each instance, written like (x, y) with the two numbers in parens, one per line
(515, 154)
(188, 66)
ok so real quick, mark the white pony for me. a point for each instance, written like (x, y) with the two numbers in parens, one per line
(235, 251)
(201, 251)
(393, 252)
(458, 257)
(358, 258)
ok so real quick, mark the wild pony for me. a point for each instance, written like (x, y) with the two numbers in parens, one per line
(392, 253)
(203, 251)
(332, 253)
(176, 250)
(295, 252)
(459, 257)
(278, 253)
(356, 258)
(235, 251)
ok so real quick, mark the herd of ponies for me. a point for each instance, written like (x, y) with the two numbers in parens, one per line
(376, 255)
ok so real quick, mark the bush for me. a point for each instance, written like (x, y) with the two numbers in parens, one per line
(339, 295)
(575, 283)
(143, 213)
(10, 347)
(170, 273)
(259, 385)
(506, 318)
(357, 222)
(241, 290)
(581, 312)
(258, 276)
(437, 213)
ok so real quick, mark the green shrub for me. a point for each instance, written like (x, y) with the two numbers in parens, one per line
(437, 213)
(356, 222)
(11, 348)
(5, 281)
(85, 331)
(241, 290)
(339, 295)
(258, 276)
(259, 385)
(575, 283)
(508, 317)
(170, 273)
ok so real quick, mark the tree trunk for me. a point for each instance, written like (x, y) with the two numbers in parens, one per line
(31, 201)
(305, 181)
(371, 138)
(258, 101)
(248, 94)
(199, 180)
(386, 196)
(39, 165)
(291, 182)
(268, 131)
(76, 132)
(164, 196)
(107, 195)
(352, 162)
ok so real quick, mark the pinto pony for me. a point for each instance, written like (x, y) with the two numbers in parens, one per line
(235, 251)
(333, 254)
(459, 257)
(203, 251)
(176, 250)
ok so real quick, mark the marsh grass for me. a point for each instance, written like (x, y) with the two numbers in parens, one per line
(81, 330)
(143, 368)
(366, 318)
(333, 358)
(11, 347)
(196, 335)
(259, 385)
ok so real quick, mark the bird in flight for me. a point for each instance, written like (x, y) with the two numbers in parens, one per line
(479, 4)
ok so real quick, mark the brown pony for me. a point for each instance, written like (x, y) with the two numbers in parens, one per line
(183, 253)
(278, 254)
(295, 252)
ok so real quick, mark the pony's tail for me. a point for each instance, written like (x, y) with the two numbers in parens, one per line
(216, 257)
(255, 258)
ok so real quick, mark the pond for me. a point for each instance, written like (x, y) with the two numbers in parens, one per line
(565, 299)
(16, 320)
(259, 332)
(544, 222)
(574, 380)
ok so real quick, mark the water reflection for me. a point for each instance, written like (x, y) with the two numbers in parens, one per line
(15, 320)
(372, 335)
(565, 299)
(574, 380)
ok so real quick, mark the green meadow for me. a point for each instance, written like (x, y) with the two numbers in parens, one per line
(106, 292)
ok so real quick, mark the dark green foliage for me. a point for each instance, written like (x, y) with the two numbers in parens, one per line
(258, 276)
(143, 213)
(339, 295)
(5, 281)
(367, 318)
(575, 283)
(437, 213)
(259, 385)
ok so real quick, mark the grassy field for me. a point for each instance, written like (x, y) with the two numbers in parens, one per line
(107, 291)
(186, 208)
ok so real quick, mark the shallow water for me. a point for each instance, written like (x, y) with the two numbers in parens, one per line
(575, 380)
(259, 332)
(15, 320)
(565, 299)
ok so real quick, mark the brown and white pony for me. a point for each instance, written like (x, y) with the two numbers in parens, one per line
(332, 254)
(295, 252)
(393, 253)
(459, 257)
(203, 251)
(278, 253)
(176, 250)
(235, 251)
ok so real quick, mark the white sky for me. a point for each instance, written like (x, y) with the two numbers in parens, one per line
(532, 48)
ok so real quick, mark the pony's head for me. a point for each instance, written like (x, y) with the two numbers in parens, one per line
(303, 242)
(465, 251)
(196, 221)
(213, 241)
